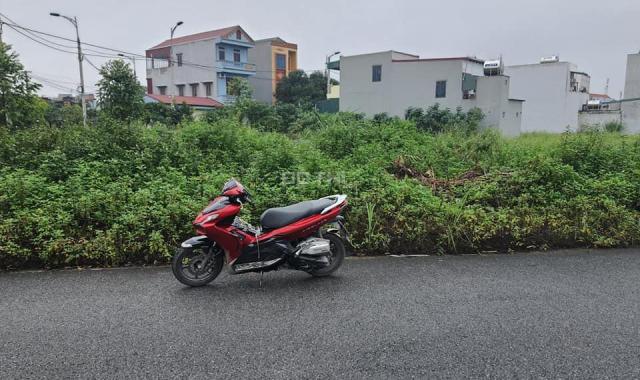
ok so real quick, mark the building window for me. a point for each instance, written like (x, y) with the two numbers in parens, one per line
(180, 89)
(221, 56)
(504, 114)
(281, 67)
(207, 88)
(376, 73)
(236, 55)
(179, 59)
(281, 62)
(517, 114)
(162, 90)
(238, 35)
(194, 89)
(441, 89)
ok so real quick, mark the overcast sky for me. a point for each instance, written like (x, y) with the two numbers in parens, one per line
(594, 34)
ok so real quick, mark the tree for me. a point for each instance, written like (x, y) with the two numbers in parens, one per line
(119, 93)
(68, 114)
(435, 119)
(19, 105)
(167, 114)
(302, 89)
(239, 88)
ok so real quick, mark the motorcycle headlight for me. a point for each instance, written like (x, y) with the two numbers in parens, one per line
(210, 218)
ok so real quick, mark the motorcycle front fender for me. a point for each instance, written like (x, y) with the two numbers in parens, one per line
(197, 241)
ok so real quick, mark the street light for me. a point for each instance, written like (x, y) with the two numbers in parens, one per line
(173, 29)
(133, 62)
(74, 21)
(328, 72)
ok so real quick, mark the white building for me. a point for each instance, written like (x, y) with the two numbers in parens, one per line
(554, 93)
(392, 82)
(201, 64)
(631, 103)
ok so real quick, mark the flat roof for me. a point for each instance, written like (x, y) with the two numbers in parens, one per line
(470, 59)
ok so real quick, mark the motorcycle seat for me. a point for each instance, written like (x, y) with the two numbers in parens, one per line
(281, 216)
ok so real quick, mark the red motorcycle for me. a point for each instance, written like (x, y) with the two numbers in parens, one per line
(307, 236)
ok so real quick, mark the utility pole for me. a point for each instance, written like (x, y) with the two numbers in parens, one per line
(74, 21)
(173, 29)
(328, 72)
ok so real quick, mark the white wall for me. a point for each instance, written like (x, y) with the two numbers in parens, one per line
(201, 52)
(598, 118)
(631, 110)
(412, 83)
(549, 105)
(262, 82)
(357, 92)
(492, 97)
(403, 85)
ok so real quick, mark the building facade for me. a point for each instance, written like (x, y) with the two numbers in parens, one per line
(274, 59)
(554, 93)
(392, 82)
(200, 65)
(630, 104)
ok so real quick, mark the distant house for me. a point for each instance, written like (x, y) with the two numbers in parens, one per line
(554, 92)
(392, 82)
(274, 59)
(197, 103)
(200, 65)
(70, 99)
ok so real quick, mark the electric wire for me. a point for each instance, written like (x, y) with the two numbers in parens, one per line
(133, 56)
(33, 35)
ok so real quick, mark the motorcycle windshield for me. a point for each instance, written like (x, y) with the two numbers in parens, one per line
(216, 205)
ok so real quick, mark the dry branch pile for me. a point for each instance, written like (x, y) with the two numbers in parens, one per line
(402, 170)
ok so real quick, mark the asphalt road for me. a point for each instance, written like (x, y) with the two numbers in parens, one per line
(571, 314)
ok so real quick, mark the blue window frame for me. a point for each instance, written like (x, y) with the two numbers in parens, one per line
(281, 62)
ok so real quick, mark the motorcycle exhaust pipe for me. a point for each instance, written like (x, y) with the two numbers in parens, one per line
(314, 249)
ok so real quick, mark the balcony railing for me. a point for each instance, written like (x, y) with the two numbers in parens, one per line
(233, 65)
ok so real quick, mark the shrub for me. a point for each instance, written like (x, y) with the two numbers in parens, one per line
(122, 193)
(613, 127)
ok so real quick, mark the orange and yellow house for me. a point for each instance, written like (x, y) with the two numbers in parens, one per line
(274, 59)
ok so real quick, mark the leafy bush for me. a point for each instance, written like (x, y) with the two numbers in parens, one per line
(121, 193)
(613, 127)
(435, 119)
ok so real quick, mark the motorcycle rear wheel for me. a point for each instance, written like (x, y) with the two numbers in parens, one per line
(197, 266)
(338, 252)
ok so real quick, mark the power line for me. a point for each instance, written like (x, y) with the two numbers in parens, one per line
(92, 64)
(31, 34)
(134, 56)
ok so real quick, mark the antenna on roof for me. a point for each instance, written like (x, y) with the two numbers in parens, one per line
(606, 87)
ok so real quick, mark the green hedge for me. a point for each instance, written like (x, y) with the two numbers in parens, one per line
(114, 194)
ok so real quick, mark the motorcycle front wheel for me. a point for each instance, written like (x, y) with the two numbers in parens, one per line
(197, 266)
